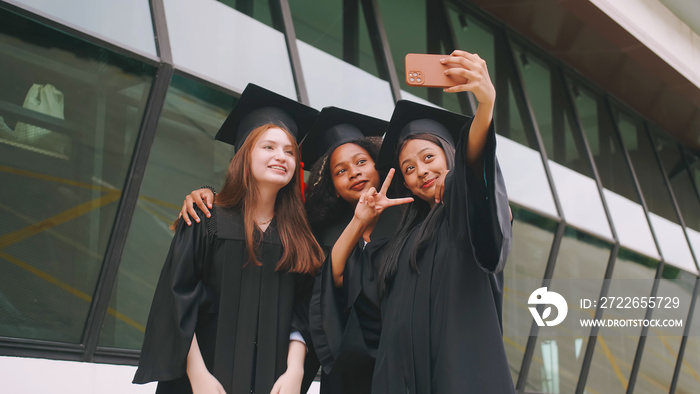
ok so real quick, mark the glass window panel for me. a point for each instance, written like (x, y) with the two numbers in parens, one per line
(367, 60)
(689, 379)
(608, 155)
(676, 170)
(511, 123)
(405, 25)
(320, 24)
(473, 36)
(532, 241)
(548, 99)
(191, 117)
(407, 28)
(615, 348)
(70, 113)
(569, 164)
(536, 75)
(620, 194)
(257, 9)
(556, 363)
(335, 74)
(212, 41)
(646, 167)
(661, 348)
(332, 78)
(332, 82)
(517, 149)
(105, 19)
(693, 232)
(674, 246)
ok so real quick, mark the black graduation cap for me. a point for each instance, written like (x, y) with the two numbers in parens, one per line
(412, 118)
(259, 106)
(334, 127)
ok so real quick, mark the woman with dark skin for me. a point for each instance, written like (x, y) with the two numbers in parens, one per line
(440, 276)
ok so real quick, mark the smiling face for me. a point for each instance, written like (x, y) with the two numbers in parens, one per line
(273, 159)
(352, 171)
(421, 162)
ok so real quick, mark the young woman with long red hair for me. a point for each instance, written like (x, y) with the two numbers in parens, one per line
(230, 309)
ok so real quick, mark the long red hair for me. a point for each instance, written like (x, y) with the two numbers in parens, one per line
(301, 251)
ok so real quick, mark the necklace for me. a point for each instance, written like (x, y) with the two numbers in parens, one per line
(264, 222)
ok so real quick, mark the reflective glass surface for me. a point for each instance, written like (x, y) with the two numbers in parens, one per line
(689, 379)
(406, 31)
(571, 170)
(337, 59)
(105, 19)
(322, 24)
(676, 168)
(616, 347)
(556, 363)
(532, 240)
(184, 157)
(619, 191)
(70, 113)
(664, 219)
(472, 36)
(258, 9)
(661, 348)
(519, 150)
(693, 232)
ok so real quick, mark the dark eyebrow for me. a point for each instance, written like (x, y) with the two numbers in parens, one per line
(352, 157)
(419, 152)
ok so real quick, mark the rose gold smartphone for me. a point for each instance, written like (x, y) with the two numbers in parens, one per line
(426, 70)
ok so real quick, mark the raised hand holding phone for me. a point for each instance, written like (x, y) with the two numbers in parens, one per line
(428, 71)
(472, 68)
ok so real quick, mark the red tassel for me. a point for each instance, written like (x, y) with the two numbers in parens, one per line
(302, 183)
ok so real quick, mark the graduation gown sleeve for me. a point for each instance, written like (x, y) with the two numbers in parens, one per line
(173, 316)
(477, 205)
(326, 318)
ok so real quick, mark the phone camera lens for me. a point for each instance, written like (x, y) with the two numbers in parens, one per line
(412, 79)
(418, 79)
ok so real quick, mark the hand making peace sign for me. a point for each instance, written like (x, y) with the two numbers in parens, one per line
(373, 203)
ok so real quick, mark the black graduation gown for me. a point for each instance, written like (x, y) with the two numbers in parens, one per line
(242, 313)
(345, 323)
(441, 327)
